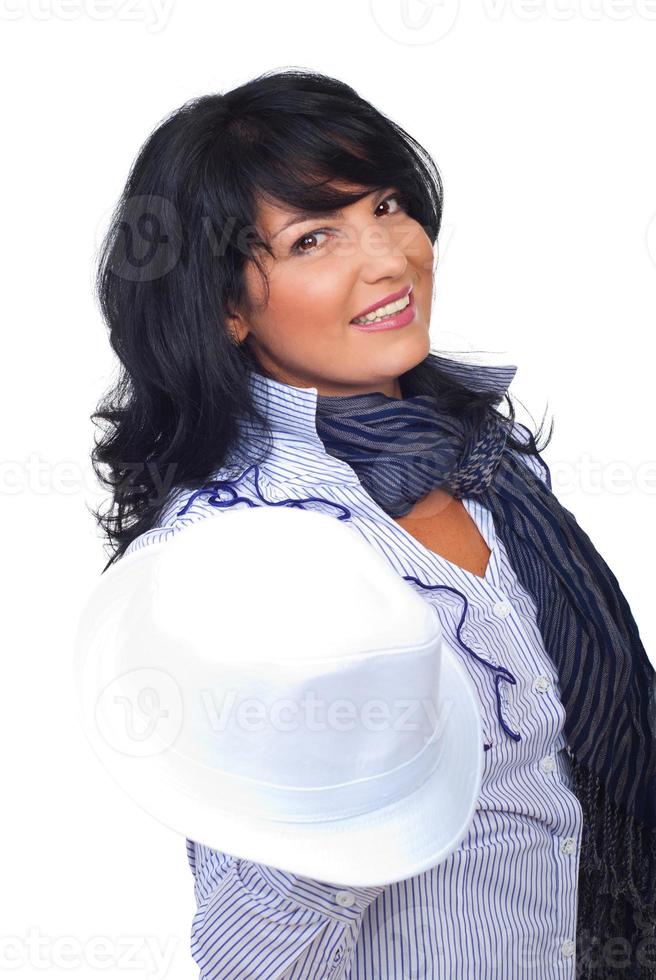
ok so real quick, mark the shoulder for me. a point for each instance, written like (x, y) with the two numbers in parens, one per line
(536, 463)
(186, 507)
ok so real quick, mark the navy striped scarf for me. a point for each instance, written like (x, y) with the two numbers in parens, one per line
(400, 449)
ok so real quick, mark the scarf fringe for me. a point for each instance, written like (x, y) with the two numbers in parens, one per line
(617, 885)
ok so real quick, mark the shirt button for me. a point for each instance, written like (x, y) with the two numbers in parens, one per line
(501, 609)
(347, 899)
(568, 845)
(568, 947)
(541, 683)
(548, 764)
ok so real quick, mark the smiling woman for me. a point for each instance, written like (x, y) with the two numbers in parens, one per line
(269, 273)
(253, 228)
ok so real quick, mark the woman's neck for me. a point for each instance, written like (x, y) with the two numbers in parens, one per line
(433, 503)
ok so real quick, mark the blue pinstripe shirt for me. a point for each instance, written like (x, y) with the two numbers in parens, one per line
(504, 904)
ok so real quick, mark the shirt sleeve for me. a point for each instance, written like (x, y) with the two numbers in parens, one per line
(176, 517)
(255, 922)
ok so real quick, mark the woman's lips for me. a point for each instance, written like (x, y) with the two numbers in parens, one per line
(400, 319)
(392, 298)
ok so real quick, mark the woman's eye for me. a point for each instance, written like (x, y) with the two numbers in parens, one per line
(297, 246)
(310, 234)
(398, 197)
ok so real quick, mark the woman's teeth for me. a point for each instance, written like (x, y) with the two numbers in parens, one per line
(384, 311)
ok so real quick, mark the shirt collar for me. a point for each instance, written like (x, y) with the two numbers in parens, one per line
(295, 409)
(287, 408)
(291, 414)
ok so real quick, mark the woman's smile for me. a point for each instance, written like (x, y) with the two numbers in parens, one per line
(401, 313)
(397, 299)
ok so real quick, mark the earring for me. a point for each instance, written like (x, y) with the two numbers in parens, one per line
(233, 334)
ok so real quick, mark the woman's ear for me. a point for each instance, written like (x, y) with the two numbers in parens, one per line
(237, 328)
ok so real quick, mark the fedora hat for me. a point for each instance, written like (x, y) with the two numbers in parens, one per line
(266, 684)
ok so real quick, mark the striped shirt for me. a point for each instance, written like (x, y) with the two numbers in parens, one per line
(503, 905)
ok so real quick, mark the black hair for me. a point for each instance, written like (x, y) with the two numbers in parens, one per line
(170, 271)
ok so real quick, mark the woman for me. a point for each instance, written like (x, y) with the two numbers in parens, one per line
(256, 232)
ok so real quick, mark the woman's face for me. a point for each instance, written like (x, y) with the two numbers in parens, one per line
(323, 274)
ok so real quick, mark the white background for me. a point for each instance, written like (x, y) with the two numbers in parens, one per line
(540, 118)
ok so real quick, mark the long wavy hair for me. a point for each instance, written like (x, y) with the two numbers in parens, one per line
(170, 270)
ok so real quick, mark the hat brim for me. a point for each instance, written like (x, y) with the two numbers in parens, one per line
(395, 842)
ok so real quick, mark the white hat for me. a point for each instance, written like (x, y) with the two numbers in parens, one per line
(266, 684)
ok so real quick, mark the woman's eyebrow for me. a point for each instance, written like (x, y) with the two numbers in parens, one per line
(300, 216)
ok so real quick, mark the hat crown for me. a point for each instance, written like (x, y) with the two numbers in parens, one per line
(302, 659)
(281, 584)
